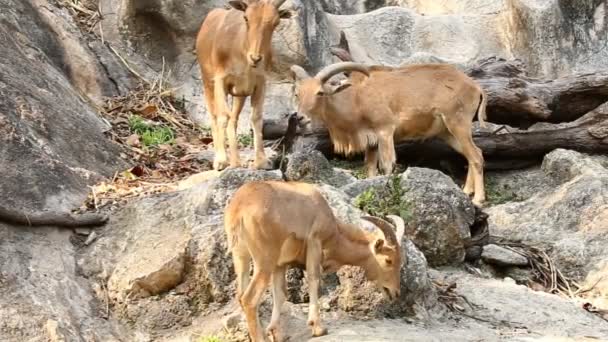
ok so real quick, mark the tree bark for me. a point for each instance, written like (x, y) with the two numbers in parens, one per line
(518, 100)
(507, 149)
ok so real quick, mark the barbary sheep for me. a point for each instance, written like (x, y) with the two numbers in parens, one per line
(234, 53)
(277, 224)
(382, 105)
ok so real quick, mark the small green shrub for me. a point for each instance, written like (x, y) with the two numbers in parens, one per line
(357, 168)
(211, 338)
(150, 135)
(245, 140)
(205, 130)
(387, 201)
(497, 194)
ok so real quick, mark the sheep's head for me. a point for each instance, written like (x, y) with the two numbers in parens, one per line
(261, 17)
(310, 91)
(386, 270)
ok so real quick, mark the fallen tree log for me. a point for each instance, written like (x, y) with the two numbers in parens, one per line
(47, 218)
(506, 149)
(518, 100)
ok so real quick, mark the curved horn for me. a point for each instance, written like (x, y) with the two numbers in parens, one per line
(400, 224)
(299, 72)
(385, 227)
(278, 3)
(337, 68)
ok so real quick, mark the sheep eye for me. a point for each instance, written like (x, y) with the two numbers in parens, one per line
(389, 262)
(245, 17)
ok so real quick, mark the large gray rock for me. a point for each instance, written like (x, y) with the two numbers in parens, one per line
(397, 35)
(462, 7)
(501, 256)
(53, 144)
(356, 188)
(313, 167)
(547, 35)
(570, 219)
(438, 214)
(441, 215)
(42, 295)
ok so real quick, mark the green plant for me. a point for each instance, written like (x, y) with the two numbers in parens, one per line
(245, 140)
(357, 168)
(150, 135)
(211, 338)
(497, 194)
(386, 201)
(206, 130)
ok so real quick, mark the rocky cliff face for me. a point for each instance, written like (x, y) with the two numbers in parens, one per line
(158, 271)
(52, 139)
(552, 37)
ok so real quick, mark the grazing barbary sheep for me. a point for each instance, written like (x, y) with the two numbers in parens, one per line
(382, 105)
(277, 224)
(234, 53)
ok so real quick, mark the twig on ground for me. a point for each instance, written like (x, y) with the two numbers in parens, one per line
(126, 64)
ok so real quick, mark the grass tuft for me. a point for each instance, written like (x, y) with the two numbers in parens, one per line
(386, 201)
(150, 135)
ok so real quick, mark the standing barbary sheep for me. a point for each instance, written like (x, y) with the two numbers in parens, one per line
(277, 224)
(372, 111)
(234, 53)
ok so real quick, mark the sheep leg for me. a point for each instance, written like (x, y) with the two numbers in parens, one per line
(279, 295)
(250, 301)
(386, 148)
(257, 102)
(220, 161)
(241, 268)
(371, 161)
(237, 106)
(210, 99)
(469, 183)
(455, 144)
(313, 269)
(462, 134)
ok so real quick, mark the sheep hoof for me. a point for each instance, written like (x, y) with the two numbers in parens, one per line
(318, 331)
(262, 164)
(235, 163)
(274, 335)
(479, 202)
(220, 164)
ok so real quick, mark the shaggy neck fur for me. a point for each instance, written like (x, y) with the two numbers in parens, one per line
(345, 139)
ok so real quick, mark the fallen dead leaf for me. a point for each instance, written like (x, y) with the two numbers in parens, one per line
(133, 140)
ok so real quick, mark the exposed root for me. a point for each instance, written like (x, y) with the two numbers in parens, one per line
(545, 271)
(454, 301)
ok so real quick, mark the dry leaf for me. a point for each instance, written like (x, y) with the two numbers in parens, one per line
(133, 140)
(138, 170)
(149, 111)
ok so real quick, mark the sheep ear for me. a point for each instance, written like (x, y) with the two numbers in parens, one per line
(341, 87)
(378, 245)
(285, 14)
(238, 5)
